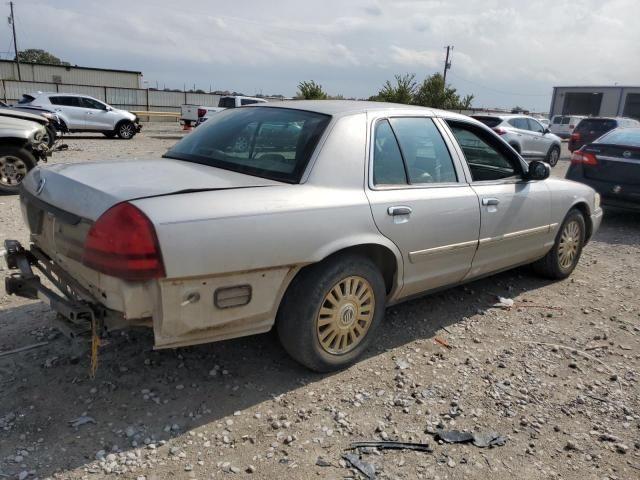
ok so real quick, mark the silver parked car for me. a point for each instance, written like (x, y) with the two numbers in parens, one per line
(526, 135)
(81, 113)
(310, 217)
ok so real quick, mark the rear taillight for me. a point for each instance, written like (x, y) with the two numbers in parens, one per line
(123, 243)
(500, 131)
(202, 112)
(583, 158)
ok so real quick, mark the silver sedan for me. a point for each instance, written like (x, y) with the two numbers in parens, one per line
(307, 217)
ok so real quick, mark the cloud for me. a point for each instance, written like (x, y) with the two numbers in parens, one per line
(506, 51)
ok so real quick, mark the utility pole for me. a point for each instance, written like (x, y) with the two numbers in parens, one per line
(447, 63)
(15, 42)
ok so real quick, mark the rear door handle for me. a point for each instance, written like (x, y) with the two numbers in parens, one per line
(400, 210)
(490, 201)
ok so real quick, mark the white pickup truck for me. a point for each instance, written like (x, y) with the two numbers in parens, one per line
(198, 114)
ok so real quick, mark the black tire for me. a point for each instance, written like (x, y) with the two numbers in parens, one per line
(15, 163)
(553, 156)
(299, 314)
(126, 130)
(551, 265)
(109, 134)
(51, 136)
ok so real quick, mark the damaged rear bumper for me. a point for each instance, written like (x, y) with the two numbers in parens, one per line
(70, 300)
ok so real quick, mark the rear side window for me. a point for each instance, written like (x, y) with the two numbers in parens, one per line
(490, 122)
(388, 167)
(566, 120)
(556, 120)
(597, 125)
(425, 154)
(246, 101)
(66, 101)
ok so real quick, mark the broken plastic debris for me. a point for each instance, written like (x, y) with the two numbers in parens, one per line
(453, 436)
(505, 303)
(389, 445)
(367, 469)
(82, 420)
(479, 439)
(442, 342)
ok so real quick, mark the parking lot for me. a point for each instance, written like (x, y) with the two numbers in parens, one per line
(556, 373)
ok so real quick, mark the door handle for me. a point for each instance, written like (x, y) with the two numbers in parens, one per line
(490, 201)
(401, 210)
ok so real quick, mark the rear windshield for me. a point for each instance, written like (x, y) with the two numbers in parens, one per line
(274, 143)
(227, 102)
(622, 136)
(489, 121)
(26, 99)
(596, 125)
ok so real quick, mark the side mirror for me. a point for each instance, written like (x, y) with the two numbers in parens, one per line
(109, 108)
(538, 170)
(546, 130)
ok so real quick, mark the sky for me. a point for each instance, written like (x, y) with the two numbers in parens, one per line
(506, 52)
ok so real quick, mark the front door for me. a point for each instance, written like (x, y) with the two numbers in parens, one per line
(421, 202)
(97, 117)
(515, 213)
(542, 143)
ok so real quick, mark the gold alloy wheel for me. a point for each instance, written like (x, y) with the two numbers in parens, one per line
(569, 243)
(345, 315)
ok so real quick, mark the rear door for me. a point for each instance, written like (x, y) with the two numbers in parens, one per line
(72, 109)
(515, 213)
(421, 200)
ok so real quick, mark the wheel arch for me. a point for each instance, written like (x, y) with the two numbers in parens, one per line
(583, 207)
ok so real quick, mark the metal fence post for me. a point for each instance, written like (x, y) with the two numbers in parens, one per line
(4, 91)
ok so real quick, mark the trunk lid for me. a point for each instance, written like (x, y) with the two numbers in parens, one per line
(88, 189)
(616, 164)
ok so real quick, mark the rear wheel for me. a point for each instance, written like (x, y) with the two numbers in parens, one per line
(563, 257)
(331, 311)
(15, 163)
(126, 130)
(553, 156)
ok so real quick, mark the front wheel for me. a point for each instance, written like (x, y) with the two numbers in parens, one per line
(50, 136)
(331, 311)
(15, 163)
(126, 130)
(553, 156)
(563, 257)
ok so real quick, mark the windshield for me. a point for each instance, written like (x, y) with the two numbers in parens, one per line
(274, 143)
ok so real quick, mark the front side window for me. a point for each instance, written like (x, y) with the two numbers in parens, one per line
(534, 126)
(274, 143)
(425, 154)
(519, 123)
(248, 101)
(486, 159)
(91, 103)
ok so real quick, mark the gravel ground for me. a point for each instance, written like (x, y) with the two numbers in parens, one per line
(556, 375)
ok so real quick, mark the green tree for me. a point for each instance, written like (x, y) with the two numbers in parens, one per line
(37, 55)
(433, 93)
(403, 91)
(467, 100)
(310, 90)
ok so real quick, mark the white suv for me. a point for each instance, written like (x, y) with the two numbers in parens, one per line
(81, 113)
